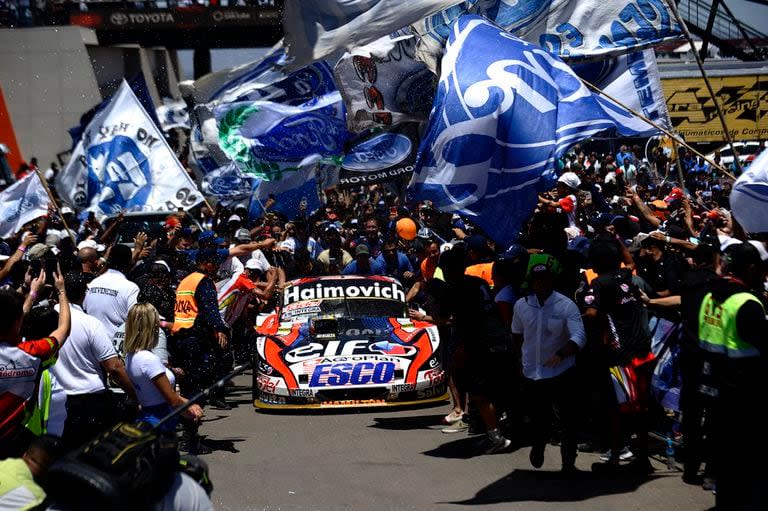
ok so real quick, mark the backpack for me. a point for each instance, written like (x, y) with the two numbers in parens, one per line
(126, 468)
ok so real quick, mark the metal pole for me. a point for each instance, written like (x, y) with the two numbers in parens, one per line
(675, 138)
(55, 204)
(673, 7)
(708, 33)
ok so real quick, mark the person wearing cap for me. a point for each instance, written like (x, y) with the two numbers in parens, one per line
(732, 336)
(334, 258)
(661, 269)
(363, 263)
(619, 336)
(111, 295)
(567, 188)
(547, 328)
(480, 260)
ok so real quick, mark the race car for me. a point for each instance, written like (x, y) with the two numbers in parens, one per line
(345, 341)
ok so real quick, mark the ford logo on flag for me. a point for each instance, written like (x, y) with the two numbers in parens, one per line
(379, 152)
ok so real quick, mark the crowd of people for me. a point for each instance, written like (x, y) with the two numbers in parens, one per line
(550, 338)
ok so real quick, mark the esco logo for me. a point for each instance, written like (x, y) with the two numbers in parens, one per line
(119, 19)
(119, 176)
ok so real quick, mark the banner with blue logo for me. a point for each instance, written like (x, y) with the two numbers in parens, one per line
(227, 183)
(316, 29)
(123, 163)
(569, 29)
(295, 195)
(382, 156)
(633, 79)
(254, 132)
(383, 85)
(505, 110)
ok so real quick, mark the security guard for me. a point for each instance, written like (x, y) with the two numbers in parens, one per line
(732, 334)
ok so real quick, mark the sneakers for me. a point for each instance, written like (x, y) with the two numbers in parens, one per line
(219, 404)
(537, 456)
(498, 444)
(457, 427)
(624, 455)
(452, 417)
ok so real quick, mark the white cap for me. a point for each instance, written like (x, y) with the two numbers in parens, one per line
(570, 179)
(256, 264)
(235, 218)
(727, 241)
(445, 247)
(65, 210)
(242, 234)
(91, 244)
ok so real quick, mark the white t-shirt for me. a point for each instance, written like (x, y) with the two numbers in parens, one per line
(109, 298)
(78, 368)
(142, 367)
(161, 349)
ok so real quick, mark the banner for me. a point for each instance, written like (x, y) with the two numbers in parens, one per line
(315, 29)
(254, 132)
(22, 202)
(632, 79)
(572, 30)
(743, 99)
(749, 197)
(123, 162)
(383, 85)
(383, 156)
(295, 195)
(505, 110)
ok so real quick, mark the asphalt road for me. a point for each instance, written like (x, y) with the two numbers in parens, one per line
(399, 460)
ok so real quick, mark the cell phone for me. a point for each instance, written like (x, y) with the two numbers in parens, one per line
(35, 266)
(51, 267)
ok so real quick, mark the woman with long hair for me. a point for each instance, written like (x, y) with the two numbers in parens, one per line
(154, 383)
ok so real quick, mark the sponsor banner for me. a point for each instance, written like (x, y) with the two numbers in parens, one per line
(382, 84)
(383, 156)
(315, 29)
(323, 291)
(575, 30)
(265, 14)
(743, 99)
(22, 202)
(632, 79)
(123, 163)
(505, 110)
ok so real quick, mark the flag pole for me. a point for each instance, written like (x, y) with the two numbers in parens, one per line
(55, 204)
(673, 7)
(656, 125)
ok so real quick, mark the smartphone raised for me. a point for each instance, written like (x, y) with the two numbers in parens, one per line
(51, 267)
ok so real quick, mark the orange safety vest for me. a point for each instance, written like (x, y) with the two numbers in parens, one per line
(186, 307)
(482, 270)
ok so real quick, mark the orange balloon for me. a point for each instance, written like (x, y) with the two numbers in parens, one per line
(406, 229)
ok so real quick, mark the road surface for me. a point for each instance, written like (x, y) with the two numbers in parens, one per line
(399, 460)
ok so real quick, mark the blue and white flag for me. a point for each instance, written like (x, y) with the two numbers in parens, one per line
(227, 183)
(315, 29)
(569, 29)
(505, 110)
(254, 132)
(749, 198)
(123, 162)
(294, 195)
(22, 202)
(633, 79)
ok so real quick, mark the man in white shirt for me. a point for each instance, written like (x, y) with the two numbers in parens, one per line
(111, 294)
(84, 361)
(548, 328)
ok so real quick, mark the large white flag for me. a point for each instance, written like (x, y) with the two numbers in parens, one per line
(749, 198)
(315, 29)
(123, 162)
(20, 203)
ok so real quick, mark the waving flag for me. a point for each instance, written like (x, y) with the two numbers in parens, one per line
(295, 194)
(315, 29)
(123, 162)
(504, 111)
(569, 29)
(383, 85)
(22, 202)
(749, 198)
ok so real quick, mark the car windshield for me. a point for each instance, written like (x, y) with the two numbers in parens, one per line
(343, 298)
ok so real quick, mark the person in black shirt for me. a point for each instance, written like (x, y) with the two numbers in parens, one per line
(617, 317)
(660, 269)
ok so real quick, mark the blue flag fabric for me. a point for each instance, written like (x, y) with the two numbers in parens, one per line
(504, 111)
(295, 194)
